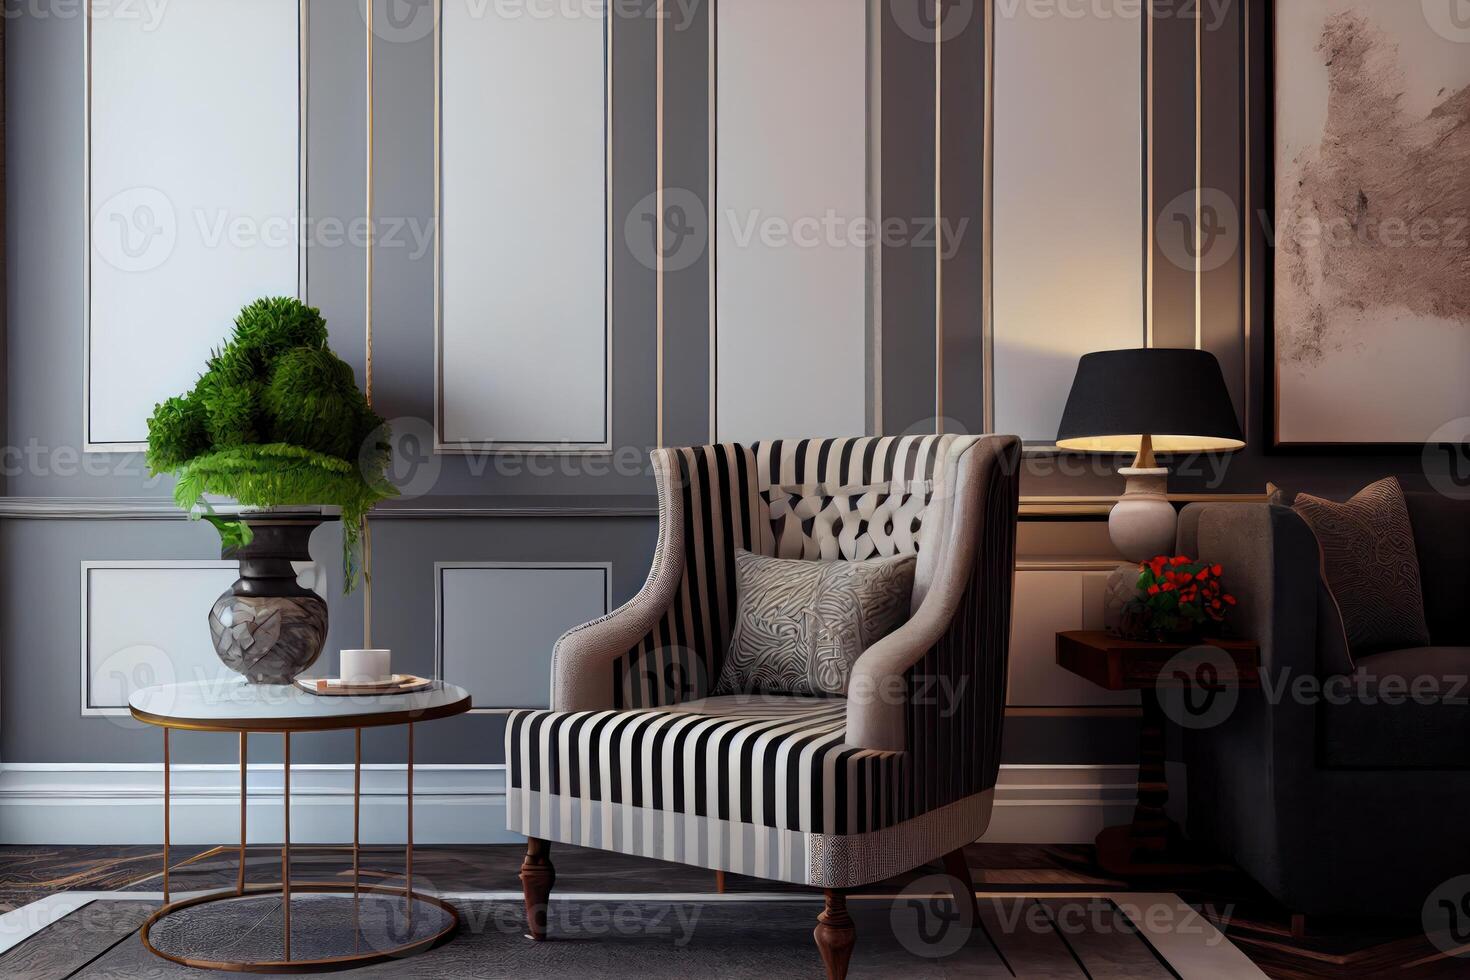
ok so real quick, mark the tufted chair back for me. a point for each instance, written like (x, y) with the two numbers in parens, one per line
(777, 498)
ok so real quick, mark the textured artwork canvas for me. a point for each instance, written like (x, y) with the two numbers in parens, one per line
(1372, 179)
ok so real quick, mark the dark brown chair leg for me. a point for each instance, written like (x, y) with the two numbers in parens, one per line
(958, 868)
(537, 878)
(835, 935)
(720, 882)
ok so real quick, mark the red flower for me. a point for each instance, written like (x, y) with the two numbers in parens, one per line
(1153, 590)
(1178, 560)
(1217, 569)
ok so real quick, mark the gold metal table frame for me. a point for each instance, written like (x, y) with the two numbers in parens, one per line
(285, 888)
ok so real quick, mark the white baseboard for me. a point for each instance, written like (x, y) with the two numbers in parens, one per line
(123, 804)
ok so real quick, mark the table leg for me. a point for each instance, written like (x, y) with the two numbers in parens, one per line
(1150, 820)
(357, 804)
(408, 877)
(1150, 845)
(240, 879)
(165, 815)
(286, 842)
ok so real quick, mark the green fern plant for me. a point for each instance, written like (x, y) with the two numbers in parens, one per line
(275, 420)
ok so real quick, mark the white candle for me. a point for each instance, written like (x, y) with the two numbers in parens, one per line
(366, 666)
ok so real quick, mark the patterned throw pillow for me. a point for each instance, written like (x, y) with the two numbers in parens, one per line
(817, 522)
(1371, 566)
(800, 625)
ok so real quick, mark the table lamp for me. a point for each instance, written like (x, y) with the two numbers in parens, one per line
(1147, 401)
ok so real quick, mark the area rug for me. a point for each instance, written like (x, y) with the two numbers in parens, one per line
(918, 933)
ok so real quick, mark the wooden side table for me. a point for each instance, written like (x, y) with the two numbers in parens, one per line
(1149, 845)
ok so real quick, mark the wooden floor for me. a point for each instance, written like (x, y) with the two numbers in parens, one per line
(1331, 949)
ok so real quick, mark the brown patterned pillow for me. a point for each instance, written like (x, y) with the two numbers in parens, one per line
(1371, 565)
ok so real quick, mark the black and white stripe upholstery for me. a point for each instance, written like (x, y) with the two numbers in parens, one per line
(721, 488)
(634, 755)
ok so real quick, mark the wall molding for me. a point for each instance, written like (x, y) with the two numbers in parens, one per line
(122, 803)
(303, 64)
(440, 567)
(164, 509)
(470, 508)
(472, 446)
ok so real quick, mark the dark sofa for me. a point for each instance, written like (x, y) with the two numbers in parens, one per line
(1357, 800)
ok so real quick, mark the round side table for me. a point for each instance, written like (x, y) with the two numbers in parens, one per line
(349, 926)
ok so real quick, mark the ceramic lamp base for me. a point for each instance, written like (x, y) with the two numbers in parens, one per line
(1143, 522)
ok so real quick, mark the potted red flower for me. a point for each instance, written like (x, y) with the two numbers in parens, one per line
(1177, 597)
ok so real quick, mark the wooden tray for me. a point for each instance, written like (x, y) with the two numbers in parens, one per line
(329, 686)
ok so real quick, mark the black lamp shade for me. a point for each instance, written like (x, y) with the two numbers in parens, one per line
(1176, 396)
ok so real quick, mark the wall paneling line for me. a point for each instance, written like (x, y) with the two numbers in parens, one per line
(515, 367)
(178, 236)
(496, 623)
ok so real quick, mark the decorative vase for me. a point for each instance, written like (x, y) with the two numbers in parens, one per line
(267, 626)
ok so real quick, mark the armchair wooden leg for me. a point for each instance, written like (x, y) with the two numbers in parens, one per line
(958, 868)
(537, 878)
(835, 935)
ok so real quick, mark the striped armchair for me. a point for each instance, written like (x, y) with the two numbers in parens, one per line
(636, 756)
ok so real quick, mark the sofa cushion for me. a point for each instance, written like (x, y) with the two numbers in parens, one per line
(1371, 565)
(801, 625)
(1442, 539)
(1401, 709)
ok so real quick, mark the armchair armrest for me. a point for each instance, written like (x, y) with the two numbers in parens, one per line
(939, 679)
(583, 675)
(1272, 567)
